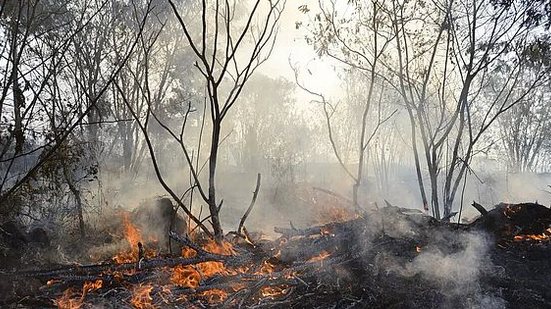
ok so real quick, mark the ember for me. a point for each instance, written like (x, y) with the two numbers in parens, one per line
(186, 276)
(141, 297)
(134, 238)
(214, 296)
(322, 256)
(545, 236)
(303, 268)
(274, 291)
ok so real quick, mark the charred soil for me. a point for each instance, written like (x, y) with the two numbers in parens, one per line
(388, 258)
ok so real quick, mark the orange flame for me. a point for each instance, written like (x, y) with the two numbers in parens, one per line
(185, 276)
(92, 286)
(215, 295)
(209, 269)
(273, 291)
(320, 257)
(72, 299)
(141, 297)
(267, 267)
(69, 300)
(133, 236)
(545, 236)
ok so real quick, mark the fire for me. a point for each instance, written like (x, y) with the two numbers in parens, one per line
(320, 257)
(71, 299)
(133, 236)
(326, 231)
(267, 267)
(418, 249)
(545, 236)
(141, 297)
(209, 269)
(131, 233)
(186, 276)
(190, 277)
(273, 291)
(92, 286)
(215, 295)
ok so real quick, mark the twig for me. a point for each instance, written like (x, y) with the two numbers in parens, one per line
(246, 214)
(480, 208)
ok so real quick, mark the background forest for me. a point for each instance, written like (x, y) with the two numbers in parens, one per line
(427, 104)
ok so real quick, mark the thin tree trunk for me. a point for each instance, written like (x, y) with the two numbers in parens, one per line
(213, 207)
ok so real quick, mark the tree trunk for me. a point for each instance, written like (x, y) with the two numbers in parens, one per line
(213, 207)
(78, 201)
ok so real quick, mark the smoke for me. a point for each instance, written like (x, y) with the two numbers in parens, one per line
(455, 263)
(459, 269)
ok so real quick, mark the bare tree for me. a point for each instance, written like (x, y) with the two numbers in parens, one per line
(360, 42)
(46, 54)
(227, 54)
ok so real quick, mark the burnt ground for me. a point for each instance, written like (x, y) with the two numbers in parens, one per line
(389, 258)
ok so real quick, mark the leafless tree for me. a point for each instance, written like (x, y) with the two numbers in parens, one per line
(227, 52)
(442, 72)
(44, 39)
(360, 41)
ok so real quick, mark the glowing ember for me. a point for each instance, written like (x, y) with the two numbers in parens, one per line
(69, 300)
(273, 291)
(545, 236)
(141, 297)
(267, 267)
(209, 269)
(326, 231)
(185, 276)
(133, 237)
(320, 257)
(418, 249)
(215, 295)
(92, 286)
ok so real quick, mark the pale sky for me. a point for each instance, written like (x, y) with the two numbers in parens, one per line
(291, 43)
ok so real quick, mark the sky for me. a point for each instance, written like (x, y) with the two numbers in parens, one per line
(291, 45)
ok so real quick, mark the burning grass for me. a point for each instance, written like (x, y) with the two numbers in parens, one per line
(339, 264)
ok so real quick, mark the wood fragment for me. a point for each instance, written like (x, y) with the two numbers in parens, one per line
(480, 208)
(246, 214)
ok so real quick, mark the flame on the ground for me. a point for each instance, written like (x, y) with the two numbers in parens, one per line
(191, 276)
(209, 269)
(133, 236)
(185, 276)
(141, 297)
(320, 257)
(273, 291)
(545, 236)
(267, 267)
(418, 249)
(71, 299)
(92, 286)
(214, 296)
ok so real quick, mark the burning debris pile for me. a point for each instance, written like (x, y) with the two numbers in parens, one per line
(388, 258)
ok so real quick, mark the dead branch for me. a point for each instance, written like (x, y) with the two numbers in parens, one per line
(246, 214)
(480, 208)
